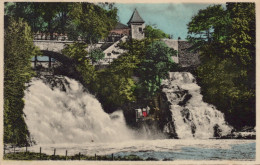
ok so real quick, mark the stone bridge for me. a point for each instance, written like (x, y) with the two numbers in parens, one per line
(51, 50)
(51, 45)
(53, 61)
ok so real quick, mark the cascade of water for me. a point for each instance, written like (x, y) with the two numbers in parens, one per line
(65, 113)
(191, 116)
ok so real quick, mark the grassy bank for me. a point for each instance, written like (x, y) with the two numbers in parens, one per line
(38, 156)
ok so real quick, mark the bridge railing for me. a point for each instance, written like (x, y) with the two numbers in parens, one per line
(56, 36)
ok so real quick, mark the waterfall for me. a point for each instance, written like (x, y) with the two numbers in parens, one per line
(192, 117)
(60, 110)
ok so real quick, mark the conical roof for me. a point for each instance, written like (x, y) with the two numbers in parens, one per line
(136, 18)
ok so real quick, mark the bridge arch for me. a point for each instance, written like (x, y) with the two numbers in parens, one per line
(54, 63)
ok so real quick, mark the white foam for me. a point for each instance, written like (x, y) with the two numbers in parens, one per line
(204, 116)
(74, 116)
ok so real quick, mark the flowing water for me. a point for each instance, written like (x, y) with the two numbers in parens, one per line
(70, 115)
(61, 114)
(195, 119)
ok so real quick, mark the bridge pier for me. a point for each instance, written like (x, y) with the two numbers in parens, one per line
(49, 61)
(35, 61)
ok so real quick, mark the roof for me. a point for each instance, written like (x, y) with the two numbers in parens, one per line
(136, 18)
(121, 26)
(106, 45)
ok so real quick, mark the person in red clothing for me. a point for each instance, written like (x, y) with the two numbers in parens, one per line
(144, 113)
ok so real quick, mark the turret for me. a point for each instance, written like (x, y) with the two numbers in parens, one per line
(136, 23)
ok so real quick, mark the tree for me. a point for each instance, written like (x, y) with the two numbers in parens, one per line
(154, 33)
(91, 21)
(208, 26)
(113, 89)
(241, 49)
(41, 16)
(96, 54)
(77, 51)
(28, 11)
(88, 21)
(155, 67)
(18, 51)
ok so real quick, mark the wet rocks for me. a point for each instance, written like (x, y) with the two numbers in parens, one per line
(245, 133)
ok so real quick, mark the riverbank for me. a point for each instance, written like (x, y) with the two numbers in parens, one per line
(42, 156)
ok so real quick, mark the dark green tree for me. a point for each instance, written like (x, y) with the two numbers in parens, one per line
(113, 89)
(155, 67)
(77, 51)
(41, 16)
(154, 33)
(95, 55)
(18, 51)
(208, 26)
(91, 22)
(29, 12)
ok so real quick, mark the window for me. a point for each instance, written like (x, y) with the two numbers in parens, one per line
(140, 29)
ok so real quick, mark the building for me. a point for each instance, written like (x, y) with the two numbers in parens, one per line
(121, 33)
(118, 32)
(136, 24)
(135, 30)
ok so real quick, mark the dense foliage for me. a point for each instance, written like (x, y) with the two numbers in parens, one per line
(226, 40)
(91, 22)
(77, 51)
(113, 89)
(41, 16)
(87, 21)
(96, 54)
(154, 33)
(155, 67)
(117, 85)
(18, 50)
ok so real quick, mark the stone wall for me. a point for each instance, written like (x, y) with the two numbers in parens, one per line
(186, 57)
(172, 44)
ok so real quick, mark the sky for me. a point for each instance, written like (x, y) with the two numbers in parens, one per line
(172, 18)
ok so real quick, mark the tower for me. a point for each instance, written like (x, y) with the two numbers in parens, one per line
(136, 23)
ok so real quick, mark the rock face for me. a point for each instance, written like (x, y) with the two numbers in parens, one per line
(148, 127)
(244, 133)
(186, 57)
(187, 115)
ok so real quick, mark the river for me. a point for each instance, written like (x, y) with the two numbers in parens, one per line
(161, 149)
